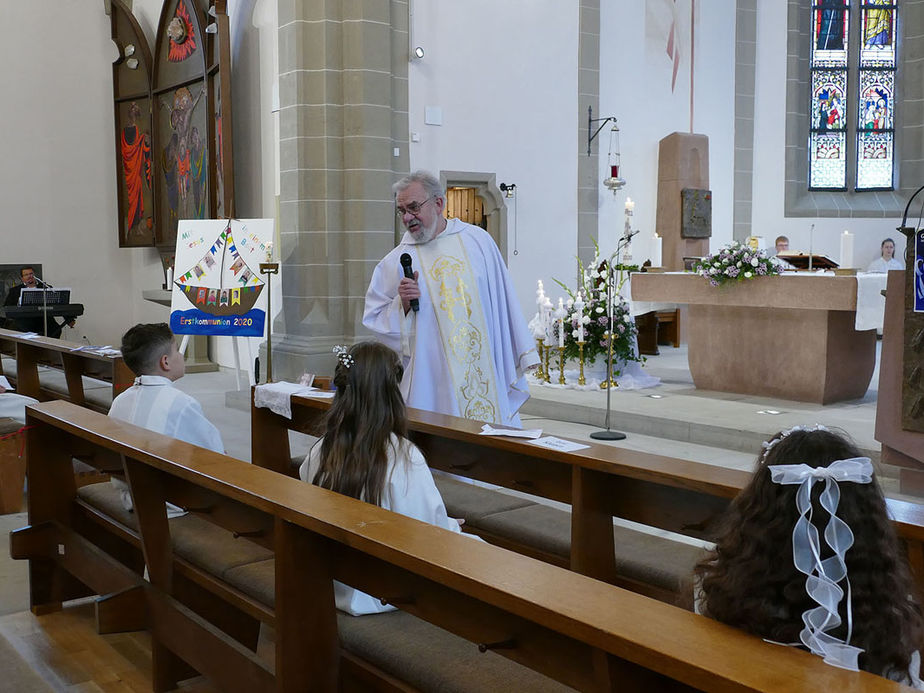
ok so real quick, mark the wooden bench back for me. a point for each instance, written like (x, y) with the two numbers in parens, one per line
(599, 482)
(59, 354)
(580, 631)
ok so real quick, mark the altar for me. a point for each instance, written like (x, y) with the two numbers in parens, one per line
(793, 336)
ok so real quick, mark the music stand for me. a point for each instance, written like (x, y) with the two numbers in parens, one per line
(44, 297)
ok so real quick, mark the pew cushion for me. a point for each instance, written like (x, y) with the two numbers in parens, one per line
(640, 556)
(408, 648)
(466, 500)
(106, 498)
(211, 547)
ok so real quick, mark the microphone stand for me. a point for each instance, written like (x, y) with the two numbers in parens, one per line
(44, 303)
(610, 434)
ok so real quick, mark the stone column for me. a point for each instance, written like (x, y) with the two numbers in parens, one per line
(343, 98)
(589, 95)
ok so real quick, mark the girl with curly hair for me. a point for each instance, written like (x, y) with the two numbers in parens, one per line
(365, 452)
(808, 556)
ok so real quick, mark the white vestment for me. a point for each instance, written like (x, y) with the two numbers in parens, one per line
(880, 265)
(409, 490)
(428, 377)
(155, 404)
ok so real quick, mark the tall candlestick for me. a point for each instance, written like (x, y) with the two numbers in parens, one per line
(846, 249)
(579, 311)
(561, 323)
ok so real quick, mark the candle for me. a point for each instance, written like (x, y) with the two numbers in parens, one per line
(561, 322)
(579, 309)
(656, 251)
(847, 249)
(630, 205)
(269, 252)
(169, 277)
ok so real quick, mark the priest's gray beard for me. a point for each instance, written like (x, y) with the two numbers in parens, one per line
(424, 234)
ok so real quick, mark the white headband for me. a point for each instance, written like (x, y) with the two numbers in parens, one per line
(822, 576)
(768, 445)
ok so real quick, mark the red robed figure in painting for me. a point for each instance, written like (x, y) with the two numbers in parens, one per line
(136, 165)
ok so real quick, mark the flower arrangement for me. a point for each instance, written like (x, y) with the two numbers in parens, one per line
(587, 309)
(735, 263)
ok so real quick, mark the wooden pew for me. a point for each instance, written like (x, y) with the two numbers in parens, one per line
(600, 482)
(74, 366)
(572, 629)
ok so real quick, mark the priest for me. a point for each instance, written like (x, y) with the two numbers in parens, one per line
(443, 300)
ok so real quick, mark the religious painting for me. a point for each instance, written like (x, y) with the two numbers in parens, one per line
(877, 25)
(218, 143)
(180, 43)
(183, 157)
(876, 98)
(217, 289)
(136, 179)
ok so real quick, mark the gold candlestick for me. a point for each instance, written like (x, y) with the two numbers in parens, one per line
(540, 373)
(581, 379)
(548, 370)
(561, 365)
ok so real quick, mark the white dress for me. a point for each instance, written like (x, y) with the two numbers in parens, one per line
(879, 265)
(13, 406)
(155, 404)
(416, 336)
(409, 490)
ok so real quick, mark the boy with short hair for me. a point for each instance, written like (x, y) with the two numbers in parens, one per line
(153, 402)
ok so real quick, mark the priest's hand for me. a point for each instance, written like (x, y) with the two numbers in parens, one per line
(408, 289)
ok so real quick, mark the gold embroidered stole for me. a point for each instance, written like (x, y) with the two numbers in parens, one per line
(462, 326)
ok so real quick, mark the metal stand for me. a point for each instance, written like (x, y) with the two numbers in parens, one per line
(269, 268)
(609, 434)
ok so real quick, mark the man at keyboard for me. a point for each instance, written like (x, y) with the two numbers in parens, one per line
(29, 281)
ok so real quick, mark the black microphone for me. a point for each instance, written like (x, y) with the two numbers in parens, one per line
(409, 273)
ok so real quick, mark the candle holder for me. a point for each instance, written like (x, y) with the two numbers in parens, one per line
(268, 268)
(561, 365)
(540, 372)
(548, 371)
(581, 379)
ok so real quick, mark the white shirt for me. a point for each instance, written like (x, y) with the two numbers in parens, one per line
(409, 490)
(416, 336)
(155, 404)
(881, 265)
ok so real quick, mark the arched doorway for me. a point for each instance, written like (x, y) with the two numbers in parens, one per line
(477, 195)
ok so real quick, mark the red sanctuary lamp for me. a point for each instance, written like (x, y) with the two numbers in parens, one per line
(614, 182)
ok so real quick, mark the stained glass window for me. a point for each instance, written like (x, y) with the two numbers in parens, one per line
(827, 150)
(875, 102)
(872, 88)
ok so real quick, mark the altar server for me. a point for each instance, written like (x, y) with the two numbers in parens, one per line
(808, 556)
(887, 260)
(153, 402)
(365, 452)
(460, 331)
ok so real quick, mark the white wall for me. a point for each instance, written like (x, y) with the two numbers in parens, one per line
(505, 76)
(769, 161)
(635, 87)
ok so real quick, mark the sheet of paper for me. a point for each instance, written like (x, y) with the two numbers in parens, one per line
(489, 430)
(5, 384)
(321, 394)
(560, 444)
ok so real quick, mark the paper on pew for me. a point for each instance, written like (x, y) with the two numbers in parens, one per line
(322, 394)
(5, 384)
(30, 335)
(559, 444)
(488, 430)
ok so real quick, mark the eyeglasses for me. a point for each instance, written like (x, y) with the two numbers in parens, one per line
(412, 207)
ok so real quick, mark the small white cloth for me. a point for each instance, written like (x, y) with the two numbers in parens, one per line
(488, 430)
(277, 397)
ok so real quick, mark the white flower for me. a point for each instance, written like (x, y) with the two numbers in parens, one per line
(748, 275)
(754, 262)
(725, 261)
(627, 317)
(585, 320)
(713, 270)
(599, 309)
(739, 263)
(602, 286)
(575, 316)
(574, 333)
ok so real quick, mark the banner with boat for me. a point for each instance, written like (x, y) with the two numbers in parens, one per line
(217, 287)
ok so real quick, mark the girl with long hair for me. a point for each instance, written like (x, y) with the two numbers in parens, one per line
(365, 453)
(808, 556)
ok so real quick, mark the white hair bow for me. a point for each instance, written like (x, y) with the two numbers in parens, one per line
(822, 576)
